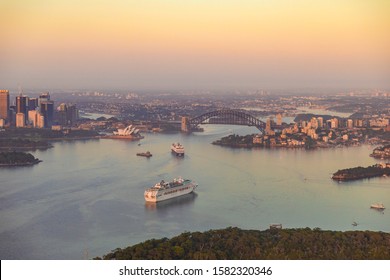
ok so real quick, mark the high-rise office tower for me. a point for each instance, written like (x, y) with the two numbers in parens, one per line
(4, 105)
(36, 118)
(334, 123)
(22, 105)
(42, 98)
(32, 104)
(67, 114)
(20, 120)
(62, 114)
(72, 114)
(47, 111)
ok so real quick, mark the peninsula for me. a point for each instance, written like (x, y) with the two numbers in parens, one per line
(381, 152)
(359, 172)
(20, 144)
(17, 159)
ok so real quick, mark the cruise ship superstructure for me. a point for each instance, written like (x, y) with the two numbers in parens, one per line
(167, 190)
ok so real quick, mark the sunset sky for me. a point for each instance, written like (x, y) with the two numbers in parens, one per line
(194, 44)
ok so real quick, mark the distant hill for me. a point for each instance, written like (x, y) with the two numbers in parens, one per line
(274, 244)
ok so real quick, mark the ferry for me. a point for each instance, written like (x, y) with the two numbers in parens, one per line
(167, 190)
(378, 206)
(145, 154)
(177, 149)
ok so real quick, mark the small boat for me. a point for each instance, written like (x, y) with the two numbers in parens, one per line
(354, 224)
(146, 154)
(378, 206)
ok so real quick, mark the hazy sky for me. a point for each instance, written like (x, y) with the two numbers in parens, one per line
(194, 44)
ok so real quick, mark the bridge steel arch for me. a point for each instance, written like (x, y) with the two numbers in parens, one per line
(230, 116)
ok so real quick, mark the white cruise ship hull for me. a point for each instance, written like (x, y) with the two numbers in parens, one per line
(164, 194)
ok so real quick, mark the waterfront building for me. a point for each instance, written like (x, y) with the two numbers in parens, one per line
(312, 133)
(314, 123)
(334, 123)
(320, 122)
(379, 122)
(257, 139)
(268, 129)
(358, 123)
(349, 123)
(4, 105)
(20, 120)
(279, 119)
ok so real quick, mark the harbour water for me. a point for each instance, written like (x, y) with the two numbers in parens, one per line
(86, 197)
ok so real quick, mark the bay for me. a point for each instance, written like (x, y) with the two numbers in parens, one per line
(86, 197)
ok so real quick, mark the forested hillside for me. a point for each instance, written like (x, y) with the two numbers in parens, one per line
(276, 244)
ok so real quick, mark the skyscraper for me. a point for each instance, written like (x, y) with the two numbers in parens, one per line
(47, 110)
(22, 105)
(43, 97)
(32, 103)
(4, 105)
(36, 118)
(20, 120)
(72, 114)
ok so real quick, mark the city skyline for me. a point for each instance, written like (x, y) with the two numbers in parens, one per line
(174, 45)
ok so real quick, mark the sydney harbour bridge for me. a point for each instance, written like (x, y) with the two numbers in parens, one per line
(222, 116)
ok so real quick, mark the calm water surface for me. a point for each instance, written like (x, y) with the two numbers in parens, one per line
(86, 197)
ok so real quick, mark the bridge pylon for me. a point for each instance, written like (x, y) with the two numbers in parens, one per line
(185, 124)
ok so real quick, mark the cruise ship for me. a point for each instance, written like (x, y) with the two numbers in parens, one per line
(167, 190)
(177, 149)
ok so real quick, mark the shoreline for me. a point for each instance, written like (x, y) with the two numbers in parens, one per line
(20, 164)
(360, 173)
